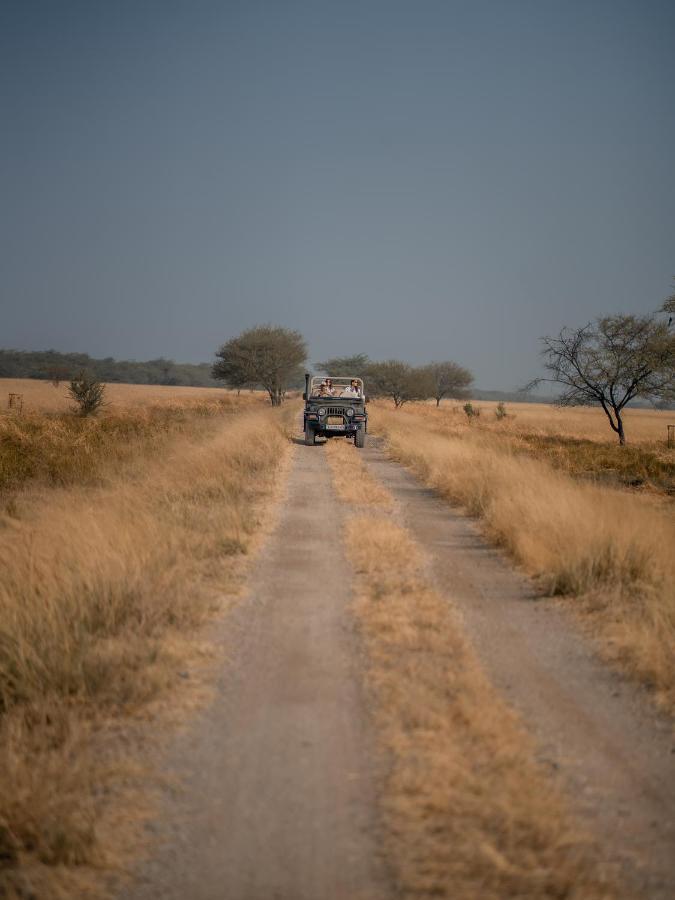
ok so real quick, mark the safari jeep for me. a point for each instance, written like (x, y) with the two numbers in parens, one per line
(335, 406)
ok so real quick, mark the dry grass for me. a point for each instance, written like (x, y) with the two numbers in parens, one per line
(101, 588)
(42, 397)
(468, 812)
(588, 423)
(611, 548)
(62, 449)
(578, 441)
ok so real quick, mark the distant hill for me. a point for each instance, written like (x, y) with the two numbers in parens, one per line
(50, 364)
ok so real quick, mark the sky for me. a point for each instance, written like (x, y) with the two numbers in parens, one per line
(424, 180)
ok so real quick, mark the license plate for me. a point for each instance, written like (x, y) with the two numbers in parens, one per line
(335, 427)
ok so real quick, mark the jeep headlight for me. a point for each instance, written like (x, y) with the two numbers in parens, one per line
(350, 411)
(321, 410)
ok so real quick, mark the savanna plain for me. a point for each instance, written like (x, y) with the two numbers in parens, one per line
(123, 535)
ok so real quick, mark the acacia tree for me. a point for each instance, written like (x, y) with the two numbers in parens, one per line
(610, 362)
(267, 355)
(345, 366)
(448, 379)
(400, 381)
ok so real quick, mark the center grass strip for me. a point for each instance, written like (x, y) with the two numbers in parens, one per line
(611, 551)
(101, 593)
(468, 812)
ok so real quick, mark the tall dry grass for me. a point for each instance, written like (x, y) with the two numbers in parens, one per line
(575, 440)
(62, 449)
(42, 397)
(101, 588)
(467, 810)
(612, 549)
(589, 423)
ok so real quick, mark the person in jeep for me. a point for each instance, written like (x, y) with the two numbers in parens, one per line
(353, 390)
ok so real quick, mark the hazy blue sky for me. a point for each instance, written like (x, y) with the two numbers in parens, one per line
(413, 179)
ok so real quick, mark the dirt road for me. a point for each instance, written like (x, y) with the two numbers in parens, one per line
(597, 731)
(279, 799)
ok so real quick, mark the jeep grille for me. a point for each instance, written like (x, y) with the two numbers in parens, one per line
(335, 410)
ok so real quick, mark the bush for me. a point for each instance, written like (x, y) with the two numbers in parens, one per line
(500, 412)
(87, 393)
(471, 411)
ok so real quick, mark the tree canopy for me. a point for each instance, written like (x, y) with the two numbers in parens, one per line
(267, 355)
(345, 366)
(399, 381)
(448, 379)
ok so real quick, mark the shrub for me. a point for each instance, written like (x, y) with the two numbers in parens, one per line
(471, 411)
(87, 393)
(500, 412)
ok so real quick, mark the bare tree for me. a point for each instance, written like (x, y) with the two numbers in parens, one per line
(88, 394)
(610, 362)
(449, 379)
(267, 355)
(400, 381)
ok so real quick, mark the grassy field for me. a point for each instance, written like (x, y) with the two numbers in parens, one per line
(607, 545)
(467, 810)
(43, 397)
(125, 534)
(585, 423)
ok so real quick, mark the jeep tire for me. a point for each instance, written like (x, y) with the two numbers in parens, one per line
(360, 437)
(310, 436)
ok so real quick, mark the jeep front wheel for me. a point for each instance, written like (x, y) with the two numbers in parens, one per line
(360, 438)
(310, 436)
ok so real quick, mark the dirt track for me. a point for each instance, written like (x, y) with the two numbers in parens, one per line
(595, 730)
(279, 774)
(279, 799)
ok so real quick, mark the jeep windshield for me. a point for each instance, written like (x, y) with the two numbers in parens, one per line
(337, 388)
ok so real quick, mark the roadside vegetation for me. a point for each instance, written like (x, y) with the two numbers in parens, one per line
(610, 549)
(467, 810)
(125, 533)
(60, 449)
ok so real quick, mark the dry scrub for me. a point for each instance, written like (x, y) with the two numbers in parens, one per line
(63, 449)
(42, 397)
(101, 589)
(577, 441)
(467, 811)
(612, 550)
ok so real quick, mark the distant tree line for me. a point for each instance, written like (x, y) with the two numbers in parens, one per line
(50, 365)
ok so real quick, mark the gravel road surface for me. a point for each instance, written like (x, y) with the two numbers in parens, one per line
(596, 730)
(278, 800)
(278, 773)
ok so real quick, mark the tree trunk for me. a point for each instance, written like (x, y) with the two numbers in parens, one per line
(619, 428)
(438, 402)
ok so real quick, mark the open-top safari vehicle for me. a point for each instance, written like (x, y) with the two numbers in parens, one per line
(335, 406)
